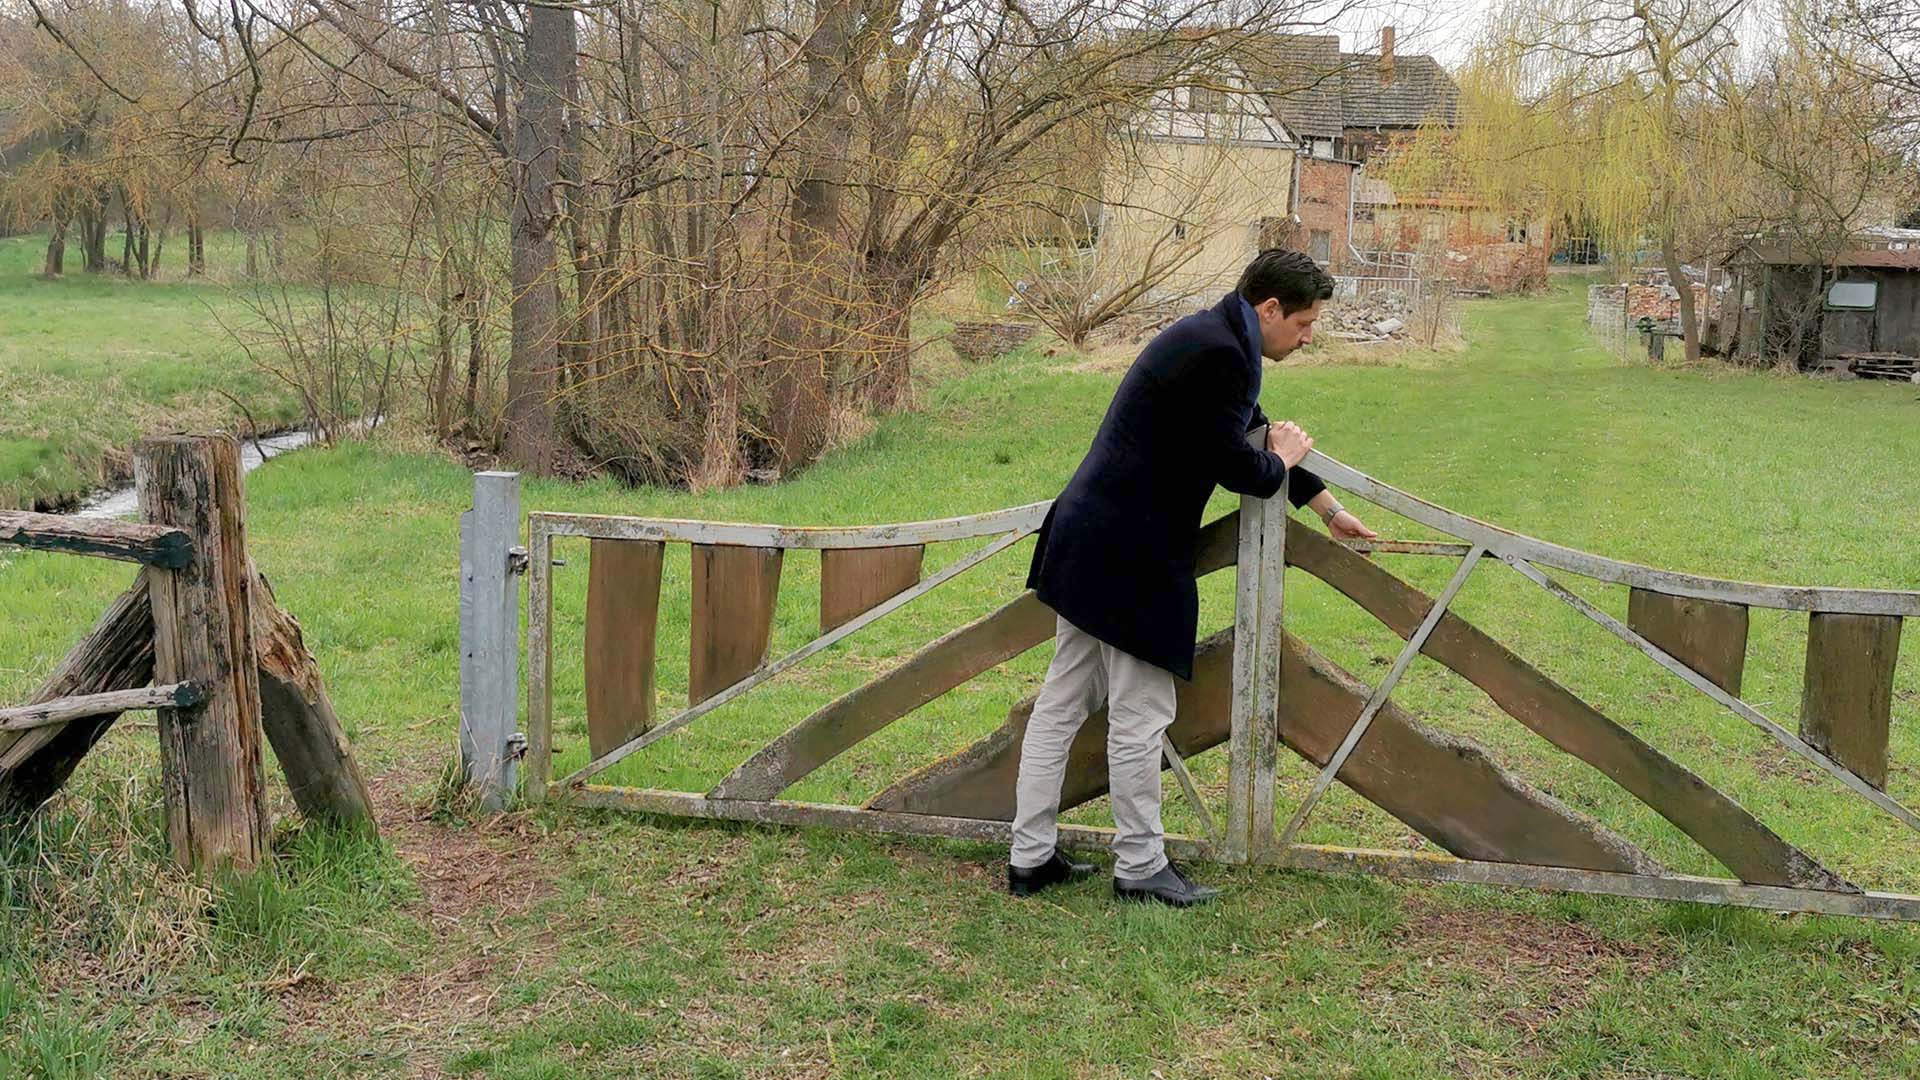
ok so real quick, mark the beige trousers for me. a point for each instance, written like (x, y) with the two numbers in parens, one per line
(1085, 673)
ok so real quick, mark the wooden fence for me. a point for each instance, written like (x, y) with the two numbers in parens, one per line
(1256, 688)
(199, 639)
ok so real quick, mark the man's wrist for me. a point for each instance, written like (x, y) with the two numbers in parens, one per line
(1328, 511)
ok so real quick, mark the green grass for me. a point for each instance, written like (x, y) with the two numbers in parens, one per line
(90, 362)
(576, 944)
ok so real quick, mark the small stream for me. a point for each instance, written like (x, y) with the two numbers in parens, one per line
(122, 502)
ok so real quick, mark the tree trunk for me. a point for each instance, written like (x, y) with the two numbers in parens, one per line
(538, 131)
(476, 349)
(93, 236)
(888, 319)
(808, 313)
(1677, 277)
(196, 250)
(720, 465)
(57, 239)
(126, 245)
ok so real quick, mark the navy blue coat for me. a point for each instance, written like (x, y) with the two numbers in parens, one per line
(1116, 553)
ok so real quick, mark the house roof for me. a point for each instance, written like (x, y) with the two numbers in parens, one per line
(1319, 91)
(1299, 76)
(1316, 90)
(1421, 91)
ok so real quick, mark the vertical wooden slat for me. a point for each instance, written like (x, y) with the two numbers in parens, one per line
(1237, 838)
(623, 610)
(539, 661)
(1267, 670)
(853, 580)
(1847, 698)
(211, 761)
(734, 592)
(1706, 635)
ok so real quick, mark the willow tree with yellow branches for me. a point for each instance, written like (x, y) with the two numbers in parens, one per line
(1605, 112)
(1684, 127)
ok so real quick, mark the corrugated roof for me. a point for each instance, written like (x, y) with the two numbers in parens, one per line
(1873, 258)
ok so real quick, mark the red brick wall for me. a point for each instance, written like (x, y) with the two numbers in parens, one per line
(1651, 299)
(1322, 206)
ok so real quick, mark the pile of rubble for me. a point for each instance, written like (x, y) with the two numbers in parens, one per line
(1379, 316)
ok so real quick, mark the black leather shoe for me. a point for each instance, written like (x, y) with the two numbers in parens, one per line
(1171, 886)
(1027, 880)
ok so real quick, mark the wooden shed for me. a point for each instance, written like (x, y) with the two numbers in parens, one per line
(1858, 312)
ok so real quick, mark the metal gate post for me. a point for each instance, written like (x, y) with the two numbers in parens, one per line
(490, 564)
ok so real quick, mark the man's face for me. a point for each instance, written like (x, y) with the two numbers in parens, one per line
(1281, 333)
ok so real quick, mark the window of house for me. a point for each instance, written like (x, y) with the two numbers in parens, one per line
(1853, 295)
(1516, 232)
(1209, 100)
(1363, 213)
(1320, 246)
(1179, 230)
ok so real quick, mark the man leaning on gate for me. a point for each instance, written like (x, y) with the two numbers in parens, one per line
(1115, 562)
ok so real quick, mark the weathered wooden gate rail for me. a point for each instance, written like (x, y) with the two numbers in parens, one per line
(1255, 688)
(229, 666)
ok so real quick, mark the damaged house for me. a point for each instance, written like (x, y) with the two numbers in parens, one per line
(1272, 151)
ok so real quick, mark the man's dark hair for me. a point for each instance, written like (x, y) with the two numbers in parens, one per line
(1291, 276)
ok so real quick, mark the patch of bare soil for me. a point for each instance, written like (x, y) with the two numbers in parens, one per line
(474, 877)
(1519, 971)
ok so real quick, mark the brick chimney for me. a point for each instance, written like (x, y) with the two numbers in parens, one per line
(1386, 56)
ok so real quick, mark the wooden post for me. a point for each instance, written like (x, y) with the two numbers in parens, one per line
(211, 759)
(1267, 669)
(490, 637)
(306, 736)
(1237, 843)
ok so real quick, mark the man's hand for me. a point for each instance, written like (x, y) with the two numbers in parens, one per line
(1344, 526)
(1289, 442)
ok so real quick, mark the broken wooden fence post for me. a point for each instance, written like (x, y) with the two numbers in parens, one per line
(306, 736)
(211, 760)
(490, 562)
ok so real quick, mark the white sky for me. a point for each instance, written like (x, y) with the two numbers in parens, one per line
(1443, 28)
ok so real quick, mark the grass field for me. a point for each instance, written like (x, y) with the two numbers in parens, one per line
(555, 944)
(90, 362)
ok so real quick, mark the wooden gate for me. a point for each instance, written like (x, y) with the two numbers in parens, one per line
(1256, 688)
